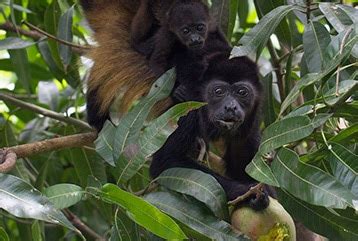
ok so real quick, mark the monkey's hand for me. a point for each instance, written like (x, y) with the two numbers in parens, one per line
(256, 197)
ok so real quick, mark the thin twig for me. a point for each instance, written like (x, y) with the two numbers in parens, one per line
(45, 112)
(278, 70)
(308, 7)
(9, 27)
(151, 187)
(253, 190)
(77, 222)
(341, 47)
(33, 27)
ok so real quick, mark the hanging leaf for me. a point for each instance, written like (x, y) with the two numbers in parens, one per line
(320, 220)
(104, 142)
(131, 124)
(199, 185)
(310, 183)
(344, 166)
(64, 32)
(142, 212)
(194, 215)
(64, 195)
(255, 40)
(315, 40)
(14, 43)
(151, 140)
(22, 200)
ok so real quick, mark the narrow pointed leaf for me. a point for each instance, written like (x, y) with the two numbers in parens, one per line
(344, 165)
(260, 171)
(289, 130)
(64, 195)
(255, 40)
(14, 43)
(104, 142)
(194, 215)
(151, 140)
(310, 183)
(130, 125)
(24, 201)
(3, 235)
(64, 32)
(199, 185)
(142, 212)
(319, 219)
(315, 40)
(310, 79)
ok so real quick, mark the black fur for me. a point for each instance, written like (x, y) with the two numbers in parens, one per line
(242, 142)
(95, 119)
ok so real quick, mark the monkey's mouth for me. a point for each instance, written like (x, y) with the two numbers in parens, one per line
(196, 45)
(229, 124)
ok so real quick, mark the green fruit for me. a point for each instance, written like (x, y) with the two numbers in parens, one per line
(271, 224)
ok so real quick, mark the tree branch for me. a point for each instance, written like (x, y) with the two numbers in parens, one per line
(45, 112)
(254, 190)
(77, 222)
(8, 155)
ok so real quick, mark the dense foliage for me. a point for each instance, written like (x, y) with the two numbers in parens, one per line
(307, 53)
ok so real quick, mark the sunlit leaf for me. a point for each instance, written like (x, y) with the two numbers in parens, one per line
(14, 43)
(64, 195)
(142, 212)
(22, 200)
(65, 33)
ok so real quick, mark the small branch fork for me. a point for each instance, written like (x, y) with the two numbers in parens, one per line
(257, 190)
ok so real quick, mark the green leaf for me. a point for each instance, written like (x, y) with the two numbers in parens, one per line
(310, 79)
(130, 125)
(36, 71)
(344, 166)
(104, 142)
(315, 40)
(52, 16)
(268, 108)
(3, 235)
(310, 183)
(255, 40)
(321, 220)
(37, 231)
(194, 215)
(87, 164)
(20, 64)
(151, 140)
(64, 32)
(24, 201)
(350, 133)
(14, 43)
(64, 195)
(49, 60)
(330, 97)
(220, 10)
(289, 130)
(260, 171)
(234, 5)
(143, 213)
(124, 229)
(199, 185)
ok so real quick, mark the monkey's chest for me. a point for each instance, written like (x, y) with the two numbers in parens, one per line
(218, 147)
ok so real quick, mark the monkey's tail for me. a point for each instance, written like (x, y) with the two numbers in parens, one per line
(118, 69)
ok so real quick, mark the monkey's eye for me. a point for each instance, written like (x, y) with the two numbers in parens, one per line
(185, 31)
(243, 92)
(200, 27)
(219, 91)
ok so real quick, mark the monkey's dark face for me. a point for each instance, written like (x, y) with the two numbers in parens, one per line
(190, 24)
(229, 104)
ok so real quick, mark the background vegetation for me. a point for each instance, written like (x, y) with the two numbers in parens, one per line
(307, 53)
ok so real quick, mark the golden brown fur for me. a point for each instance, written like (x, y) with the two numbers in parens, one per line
(117, 67)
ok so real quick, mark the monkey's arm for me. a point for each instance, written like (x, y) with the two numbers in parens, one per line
(143, 28)
(159, 61)
(175, 153)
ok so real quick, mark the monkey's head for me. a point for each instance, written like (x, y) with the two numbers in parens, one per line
(189, 21)
(233, 93)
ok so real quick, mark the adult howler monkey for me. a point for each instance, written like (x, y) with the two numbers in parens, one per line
(233, 93)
